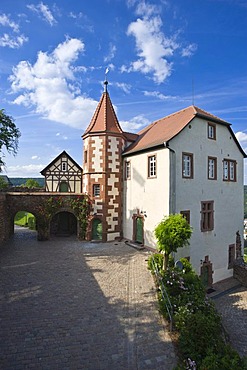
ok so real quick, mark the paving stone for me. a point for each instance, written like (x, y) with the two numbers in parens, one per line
(66, 304)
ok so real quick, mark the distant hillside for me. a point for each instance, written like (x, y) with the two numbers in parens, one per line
(17, 181)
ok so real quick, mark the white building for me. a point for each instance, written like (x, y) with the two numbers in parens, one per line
(189, 162)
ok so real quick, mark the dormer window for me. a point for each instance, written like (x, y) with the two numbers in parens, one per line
(64, 166)
(211, 131)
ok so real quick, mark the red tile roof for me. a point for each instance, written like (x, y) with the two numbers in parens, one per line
(168, 127)
(104, 118)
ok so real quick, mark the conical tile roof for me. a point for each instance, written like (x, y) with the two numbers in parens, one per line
(104, 118)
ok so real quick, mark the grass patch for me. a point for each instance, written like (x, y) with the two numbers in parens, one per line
(25, 219)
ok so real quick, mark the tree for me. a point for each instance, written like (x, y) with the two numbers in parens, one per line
(31, 183)
(172, 232)
(9, 136)
(3, 184)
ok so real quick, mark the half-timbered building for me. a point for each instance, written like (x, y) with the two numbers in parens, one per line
(63, 174)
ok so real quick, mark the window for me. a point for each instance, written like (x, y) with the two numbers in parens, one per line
(127, 170)
(186, 215)
(187, 164)
(85, 156)
(231, 255)
(207, 215)
(212, 168)
(96, 190)
(64, 166)
(229, 170)
(211, 131)
(152, 166)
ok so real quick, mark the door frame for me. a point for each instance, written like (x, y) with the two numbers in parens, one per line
(135, 217)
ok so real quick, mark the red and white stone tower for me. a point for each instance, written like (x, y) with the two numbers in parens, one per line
(104, 142)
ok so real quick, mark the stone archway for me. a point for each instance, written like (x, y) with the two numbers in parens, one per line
(44, 206)
(63, 223)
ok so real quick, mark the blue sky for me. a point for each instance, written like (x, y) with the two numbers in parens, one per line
(162, 56)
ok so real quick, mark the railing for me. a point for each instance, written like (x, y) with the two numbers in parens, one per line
(164, 293)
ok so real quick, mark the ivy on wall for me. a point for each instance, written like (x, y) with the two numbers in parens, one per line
(80, 204)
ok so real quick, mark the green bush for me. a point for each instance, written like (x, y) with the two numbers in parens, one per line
(31, 223)
(228, 359)
(186, 265)
(200, 334)
(158, 259)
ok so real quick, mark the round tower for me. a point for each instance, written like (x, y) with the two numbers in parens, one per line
(102, 171)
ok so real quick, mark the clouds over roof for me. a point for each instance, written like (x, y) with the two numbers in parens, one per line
(49, 85)
(154, 47)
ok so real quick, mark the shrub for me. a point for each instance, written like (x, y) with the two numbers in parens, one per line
(201, 344)
(200, 335)
(158, 259)
(227, 359)
(31, 223)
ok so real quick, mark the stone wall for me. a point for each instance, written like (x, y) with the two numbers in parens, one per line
(2, 217)
(240, 272)
(37, 203)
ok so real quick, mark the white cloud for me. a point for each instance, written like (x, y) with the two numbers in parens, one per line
(242, 138)
(111, 53)
(160, 96)
(153, 47)
(48, 85)
(30, 170)
(135, 124)
(146, 9)
(35, 157)
(189, 50)
(43, 10)
(123, 86)
(7, 22)
(13, 42)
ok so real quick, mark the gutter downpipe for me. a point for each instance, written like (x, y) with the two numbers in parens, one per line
(172, 171)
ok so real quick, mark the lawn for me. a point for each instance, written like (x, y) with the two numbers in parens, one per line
(25, 219)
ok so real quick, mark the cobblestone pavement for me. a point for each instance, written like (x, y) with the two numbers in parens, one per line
(73, 305)
(230, 299)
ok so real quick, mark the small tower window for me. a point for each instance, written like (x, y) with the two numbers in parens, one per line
(96, 190)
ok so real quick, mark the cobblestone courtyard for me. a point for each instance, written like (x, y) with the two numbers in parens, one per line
(66, 304)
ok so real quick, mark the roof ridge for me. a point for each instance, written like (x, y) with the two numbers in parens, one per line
(164, 118)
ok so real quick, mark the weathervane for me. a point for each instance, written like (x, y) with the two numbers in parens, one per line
(106, 82)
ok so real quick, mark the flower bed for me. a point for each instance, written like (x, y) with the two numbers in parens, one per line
(201, 342)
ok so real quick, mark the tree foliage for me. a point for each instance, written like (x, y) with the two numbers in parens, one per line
(9, 136)
(31, 183)
(3, 184)
(172, 232)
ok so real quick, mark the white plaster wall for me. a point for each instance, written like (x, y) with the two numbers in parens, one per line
(114, 142)
(148, 195)
(227, 196)
(97, 160)
(113, 193)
